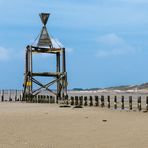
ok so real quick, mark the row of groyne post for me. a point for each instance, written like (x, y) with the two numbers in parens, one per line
(113, 101)
(17, 96)
(10, 95)
(123, 103)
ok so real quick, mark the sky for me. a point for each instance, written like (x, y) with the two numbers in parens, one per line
(106, 41)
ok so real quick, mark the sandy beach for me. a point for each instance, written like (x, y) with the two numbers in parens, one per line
(48, 126)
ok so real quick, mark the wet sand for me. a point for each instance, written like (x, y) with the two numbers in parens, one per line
(48, 126)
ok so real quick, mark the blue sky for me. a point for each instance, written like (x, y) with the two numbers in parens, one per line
(106, 41)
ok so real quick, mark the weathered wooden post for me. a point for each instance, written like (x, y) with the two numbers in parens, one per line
(122, 102)
(44, 99)
(36, 99)
(130, 103)
(54, 99)
(21, 96)
(51, 99)
(2, 95)
(90, 101)
(108, 101)
(85, 101)
(39, 98)
(33, 99)
(47, 98)
(72, 100)
(115, 102)
(147, 103)
(16, 95)
(57, 100)
(102, 101)
(10, 95)
(81, 100)
(10, 99)
(96, 100)
(67, 100)
(76, 100)
(139, 103)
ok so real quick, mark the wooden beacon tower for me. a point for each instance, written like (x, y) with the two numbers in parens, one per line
(59, 77)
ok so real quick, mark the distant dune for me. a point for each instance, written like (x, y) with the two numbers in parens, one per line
(127, 88)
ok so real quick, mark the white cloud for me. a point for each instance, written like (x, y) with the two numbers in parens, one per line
(9, 54)
(113, 45)
(110, 39)
(114, 52)
(4, 54)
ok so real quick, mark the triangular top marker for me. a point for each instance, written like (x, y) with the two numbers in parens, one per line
(44, 17)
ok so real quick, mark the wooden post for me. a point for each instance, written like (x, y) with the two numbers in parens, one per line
(2, 95)
(76, 100)
(32, 99)
(36, 101)
(108, 101)
(130, 103)
(115, 102)
(48, 99)
(10, 95)
(67, 100)
(102, 101)
(39, 98)
(21, 96)
(139, 103)
(91, 101)
(16, 95)
(97, 100)
(72, 100)
(44, 100)
(54, 99)
(51, 99)
(85, 101)
(58, 69)
(81, 100)
(35, 98)
(122, 102)
(10, 99)
(147, 103)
